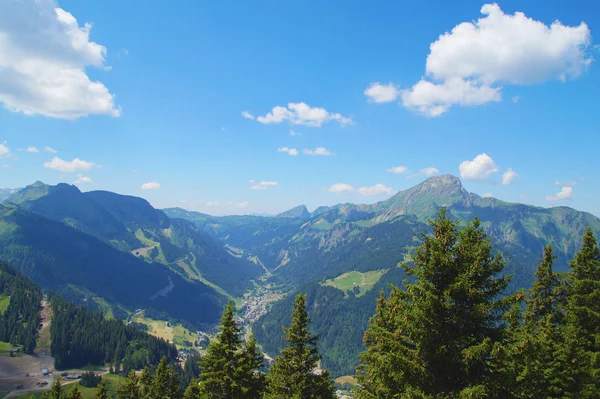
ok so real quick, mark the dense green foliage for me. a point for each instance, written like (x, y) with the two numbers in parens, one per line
(229, 370)
(450, 334)
(20, 321)
(439, 332)
(90, 379)
(81, 337)
(294, 375)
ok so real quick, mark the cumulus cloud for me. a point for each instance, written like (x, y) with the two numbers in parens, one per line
(479, 169)
(68, 166)
(50, 150)
(377, 189)
(5, 151)
(302, 114)
(469, 65)
(263, 185)
(318, 151)
(82, 179)
(339, 188)
(398, 169)
(247, 115)
(564, 194)
(44, 53)
(290, 151)
(212, 204)
(509, 176)
(430, 171)
(379, 93)
(150, 186)
(32, 149)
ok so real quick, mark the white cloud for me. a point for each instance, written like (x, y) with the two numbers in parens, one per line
(433, 99)
(398, 169)
(293, 133)
(263, 185)
(43, 56)
(150, 186)
(339, 188)
(247, 115)
(487, 195)
(251, 181)
(479, 169)
(377, 189)
(82, 179)
(516, 99)
(378, 93)
(318, 151)
(68, 166)
(430, 171)
(568, 183)
(302, 114)
(6, 166)
(212, 204)
(291, 151)
(564, 193)
(32, 149)
(50, 150)
(469, 65)
(5, 151)
(509, 176)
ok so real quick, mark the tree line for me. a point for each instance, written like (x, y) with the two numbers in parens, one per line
(453, 331)
(81, 337)
(20, 321)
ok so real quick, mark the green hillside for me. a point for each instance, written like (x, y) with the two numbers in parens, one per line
(131, 224)
(65, 260)
(309, 255)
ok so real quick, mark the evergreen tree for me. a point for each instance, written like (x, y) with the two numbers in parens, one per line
(160, 382)
(145, 383)
(75, 393)
(582, 335)
(193, 390)
(227, 371)
(536, 350)
(435, 339)
(101, 392)
(252, 381)
(294, 374)
(130, 388)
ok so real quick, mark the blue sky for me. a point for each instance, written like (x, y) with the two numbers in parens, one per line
(155, 94)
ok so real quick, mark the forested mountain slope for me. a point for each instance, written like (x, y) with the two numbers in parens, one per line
(80, 266)
(131, 224)
(306, 254)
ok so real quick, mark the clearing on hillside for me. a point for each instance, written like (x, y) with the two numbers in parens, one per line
(179, 335)
(349, 281)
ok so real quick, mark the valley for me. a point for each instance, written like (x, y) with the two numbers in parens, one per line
(186, 265)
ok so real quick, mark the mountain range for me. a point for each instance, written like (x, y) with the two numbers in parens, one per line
(317, 253)
(118, 253)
